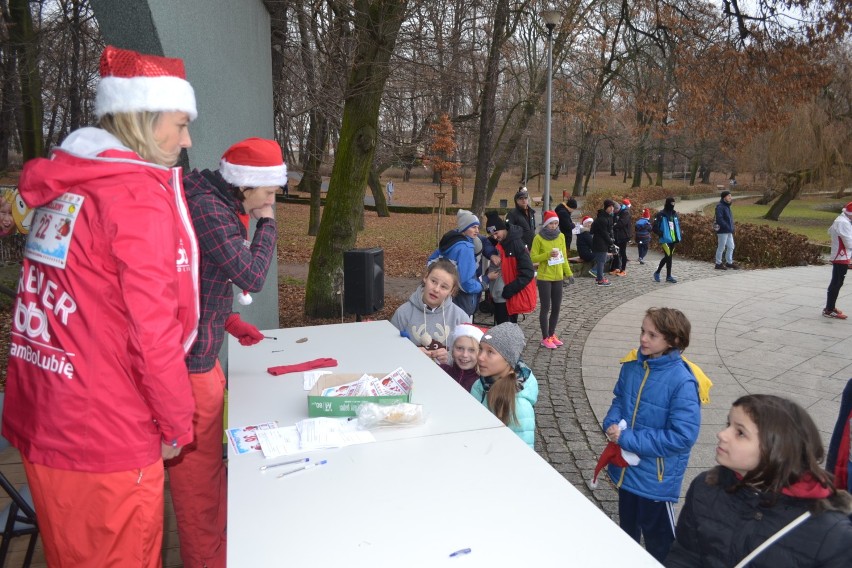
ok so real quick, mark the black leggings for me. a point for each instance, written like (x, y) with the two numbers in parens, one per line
(501, 314)
(668, 252)
(621, 259)
(838, 275)
(550, 294)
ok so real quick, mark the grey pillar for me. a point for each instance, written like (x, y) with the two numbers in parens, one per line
(225, 46)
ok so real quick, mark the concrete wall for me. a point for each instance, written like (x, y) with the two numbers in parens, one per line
(225, 46)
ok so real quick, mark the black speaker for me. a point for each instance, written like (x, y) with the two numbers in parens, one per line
(363, 281)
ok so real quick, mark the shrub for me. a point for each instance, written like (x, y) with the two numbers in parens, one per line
(758, 246)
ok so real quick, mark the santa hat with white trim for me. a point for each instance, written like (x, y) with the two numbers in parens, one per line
(615, 455)
(254, 162)
(135, 82)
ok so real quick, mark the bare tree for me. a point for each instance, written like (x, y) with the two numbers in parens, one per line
(377, 25)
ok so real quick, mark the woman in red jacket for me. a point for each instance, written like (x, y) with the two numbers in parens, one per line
(97, 393)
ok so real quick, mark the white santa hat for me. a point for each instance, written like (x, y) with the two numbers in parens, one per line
(136, 82)
(467, 330)
(254, 162)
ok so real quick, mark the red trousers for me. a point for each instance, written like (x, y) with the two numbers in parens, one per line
(197, 478)
(99, 519)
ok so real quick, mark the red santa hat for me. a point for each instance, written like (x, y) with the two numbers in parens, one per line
(848, 209)
(254, 162)
(615, 455)
(135, 82)
(587, 220)
(549, 217)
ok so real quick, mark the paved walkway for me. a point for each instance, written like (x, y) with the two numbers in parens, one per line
(753, 331)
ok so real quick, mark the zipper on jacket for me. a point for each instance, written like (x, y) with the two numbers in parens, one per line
(139, 479)
(661, 469)
(635, 411)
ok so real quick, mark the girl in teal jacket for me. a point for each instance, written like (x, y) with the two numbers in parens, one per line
(506, 386)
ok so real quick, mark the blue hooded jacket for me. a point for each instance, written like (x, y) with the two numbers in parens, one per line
(459, 248)
(658, 398)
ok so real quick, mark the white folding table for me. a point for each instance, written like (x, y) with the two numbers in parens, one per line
(460, 481)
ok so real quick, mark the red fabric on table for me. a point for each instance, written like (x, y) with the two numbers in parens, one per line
(306, 366)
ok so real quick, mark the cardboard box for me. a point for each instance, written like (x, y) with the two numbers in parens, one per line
(319, 405)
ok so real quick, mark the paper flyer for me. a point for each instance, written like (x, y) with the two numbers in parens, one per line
(279, 441)
(244, 440)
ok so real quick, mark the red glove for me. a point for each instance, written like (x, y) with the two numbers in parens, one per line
(246, 333)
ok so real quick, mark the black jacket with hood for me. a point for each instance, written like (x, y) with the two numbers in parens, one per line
(718, 528)
(602, 237)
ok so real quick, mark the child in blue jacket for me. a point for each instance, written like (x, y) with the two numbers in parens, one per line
(657, 397)
(506, 386)
(643, 234)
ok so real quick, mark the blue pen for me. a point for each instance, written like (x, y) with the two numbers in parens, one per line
(461, 552)
(308, 466)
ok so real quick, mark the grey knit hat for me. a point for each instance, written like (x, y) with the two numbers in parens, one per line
(508, 340)
(465, 220)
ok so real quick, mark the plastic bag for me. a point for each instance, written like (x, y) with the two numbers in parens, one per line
(372, 415)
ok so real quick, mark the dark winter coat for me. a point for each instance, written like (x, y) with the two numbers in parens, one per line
(514, 247)
(602, 236)
(718, 529)
(623, 225)
(643, 230)
(584, 246)
(724, 217)
(566, 225)
(524, 219)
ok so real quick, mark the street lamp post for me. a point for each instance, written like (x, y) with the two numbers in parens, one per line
(551, 20)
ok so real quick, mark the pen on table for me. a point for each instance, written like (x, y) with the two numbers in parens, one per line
(461, 552)
(291, 462)
(268, 337)
(309, 466)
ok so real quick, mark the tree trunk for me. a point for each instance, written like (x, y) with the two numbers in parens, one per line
(488, 106)
(377, 24)
(22, 35)
(7, 98)
(693, 169)
(75, 94)
(378, 193)
(318, 128)
(660, 149)
(583, 158)
(612, 171)
(311, 181)
(793, 183)
(637, 168)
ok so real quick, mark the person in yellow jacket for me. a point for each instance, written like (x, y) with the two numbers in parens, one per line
(548, 250)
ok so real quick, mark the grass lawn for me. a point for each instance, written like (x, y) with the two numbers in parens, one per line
(810, 216)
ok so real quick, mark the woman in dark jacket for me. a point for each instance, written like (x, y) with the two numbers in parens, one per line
(602, 240)
(768, 476)
(517, 270)
(622, 228)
